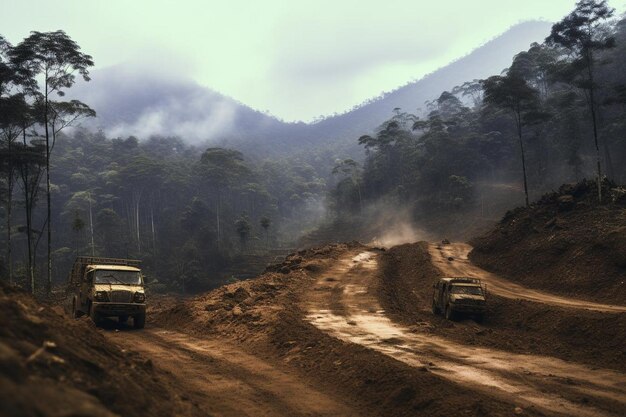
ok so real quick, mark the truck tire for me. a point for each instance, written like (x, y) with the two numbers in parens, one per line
(450, 313)
(95, 317)
(139, 321)
(122, 319)
(435, 309)
(76, 313)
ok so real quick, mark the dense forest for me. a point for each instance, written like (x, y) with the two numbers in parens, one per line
(191, 213)
(557, 114)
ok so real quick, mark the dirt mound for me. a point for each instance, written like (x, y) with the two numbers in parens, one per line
(265, 315)
(51, 365)
(513, 325)
(244, 309)
(565, 243)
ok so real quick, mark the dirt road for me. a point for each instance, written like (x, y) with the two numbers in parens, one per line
(343, 304)
(452, 260)
(223, 380)
(316, 341)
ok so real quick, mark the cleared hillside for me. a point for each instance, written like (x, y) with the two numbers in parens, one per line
(565, 243)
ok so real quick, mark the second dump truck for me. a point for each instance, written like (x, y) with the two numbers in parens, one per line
(455, 296)
(108, 287)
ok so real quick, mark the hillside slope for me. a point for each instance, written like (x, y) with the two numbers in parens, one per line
(486, 60)
(51, 365)
(565, 243)
(144, 103)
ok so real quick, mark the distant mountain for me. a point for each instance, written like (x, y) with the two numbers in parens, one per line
(489, 59)
(141, 103)
(132, 102)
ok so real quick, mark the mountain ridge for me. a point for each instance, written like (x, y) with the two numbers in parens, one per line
(150, 104)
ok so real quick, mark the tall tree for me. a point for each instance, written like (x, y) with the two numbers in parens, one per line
(581, 33)
(12, 109)
(242, 226)
(14, 116)
(220, 169)
(351, 169)
(30, 160)
(512, 93)
(56, 58)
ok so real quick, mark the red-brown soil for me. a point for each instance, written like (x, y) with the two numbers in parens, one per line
(318, 318)
(51, 365)
(340, 330)
(266, 317)
(594, 338)
(565, 243)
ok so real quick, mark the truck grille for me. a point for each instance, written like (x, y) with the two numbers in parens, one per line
(121, 296)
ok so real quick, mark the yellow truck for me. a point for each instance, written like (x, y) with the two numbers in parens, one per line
(108, 287)
(454, 296)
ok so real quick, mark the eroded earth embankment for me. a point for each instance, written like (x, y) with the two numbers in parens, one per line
(344, 329)
(51, 365)
(565, 243)
(352, 327)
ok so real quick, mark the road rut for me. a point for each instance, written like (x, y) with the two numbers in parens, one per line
(225, 381)
(344, 305)
(452, 260)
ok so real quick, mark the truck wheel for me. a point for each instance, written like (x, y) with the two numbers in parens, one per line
(139, 321)
(435, 309)
(122, 319)
(95, 317)
(450, 313)
(75, 312)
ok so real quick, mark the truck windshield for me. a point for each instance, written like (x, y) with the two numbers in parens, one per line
(466, 289)
(117, 277)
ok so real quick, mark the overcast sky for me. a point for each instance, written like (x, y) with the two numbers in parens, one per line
(296, 59)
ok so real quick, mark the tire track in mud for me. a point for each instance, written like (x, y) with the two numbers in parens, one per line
(226, 381)
(542, 383)
(452, 260)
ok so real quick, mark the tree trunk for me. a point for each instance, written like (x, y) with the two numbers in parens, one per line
(9, 207)
(592, 106)
(93, 251)
(137, 228)
(28, 205)
(153, 231)
(48, 201)
(521, 145)
(610, 172)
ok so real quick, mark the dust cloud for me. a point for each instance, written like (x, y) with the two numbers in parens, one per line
(392, 225)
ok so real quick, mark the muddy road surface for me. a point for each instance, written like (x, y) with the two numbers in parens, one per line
(224, 380)
(318, 341)
(452, 260)
(352, 313)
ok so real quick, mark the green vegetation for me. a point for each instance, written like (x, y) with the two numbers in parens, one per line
(193, 213)
(554, 110)
(189, 213)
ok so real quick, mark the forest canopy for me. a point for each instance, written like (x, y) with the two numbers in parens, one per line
(195, 214)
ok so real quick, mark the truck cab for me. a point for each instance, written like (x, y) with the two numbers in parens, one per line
(108, 287)
(459, 296)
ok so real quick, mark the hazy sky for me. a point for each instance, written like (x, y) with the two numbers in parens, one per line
(297, 59)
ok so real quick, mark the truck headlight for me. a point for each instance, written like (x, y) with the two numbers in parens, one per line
(101, 296)
(139, 297)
